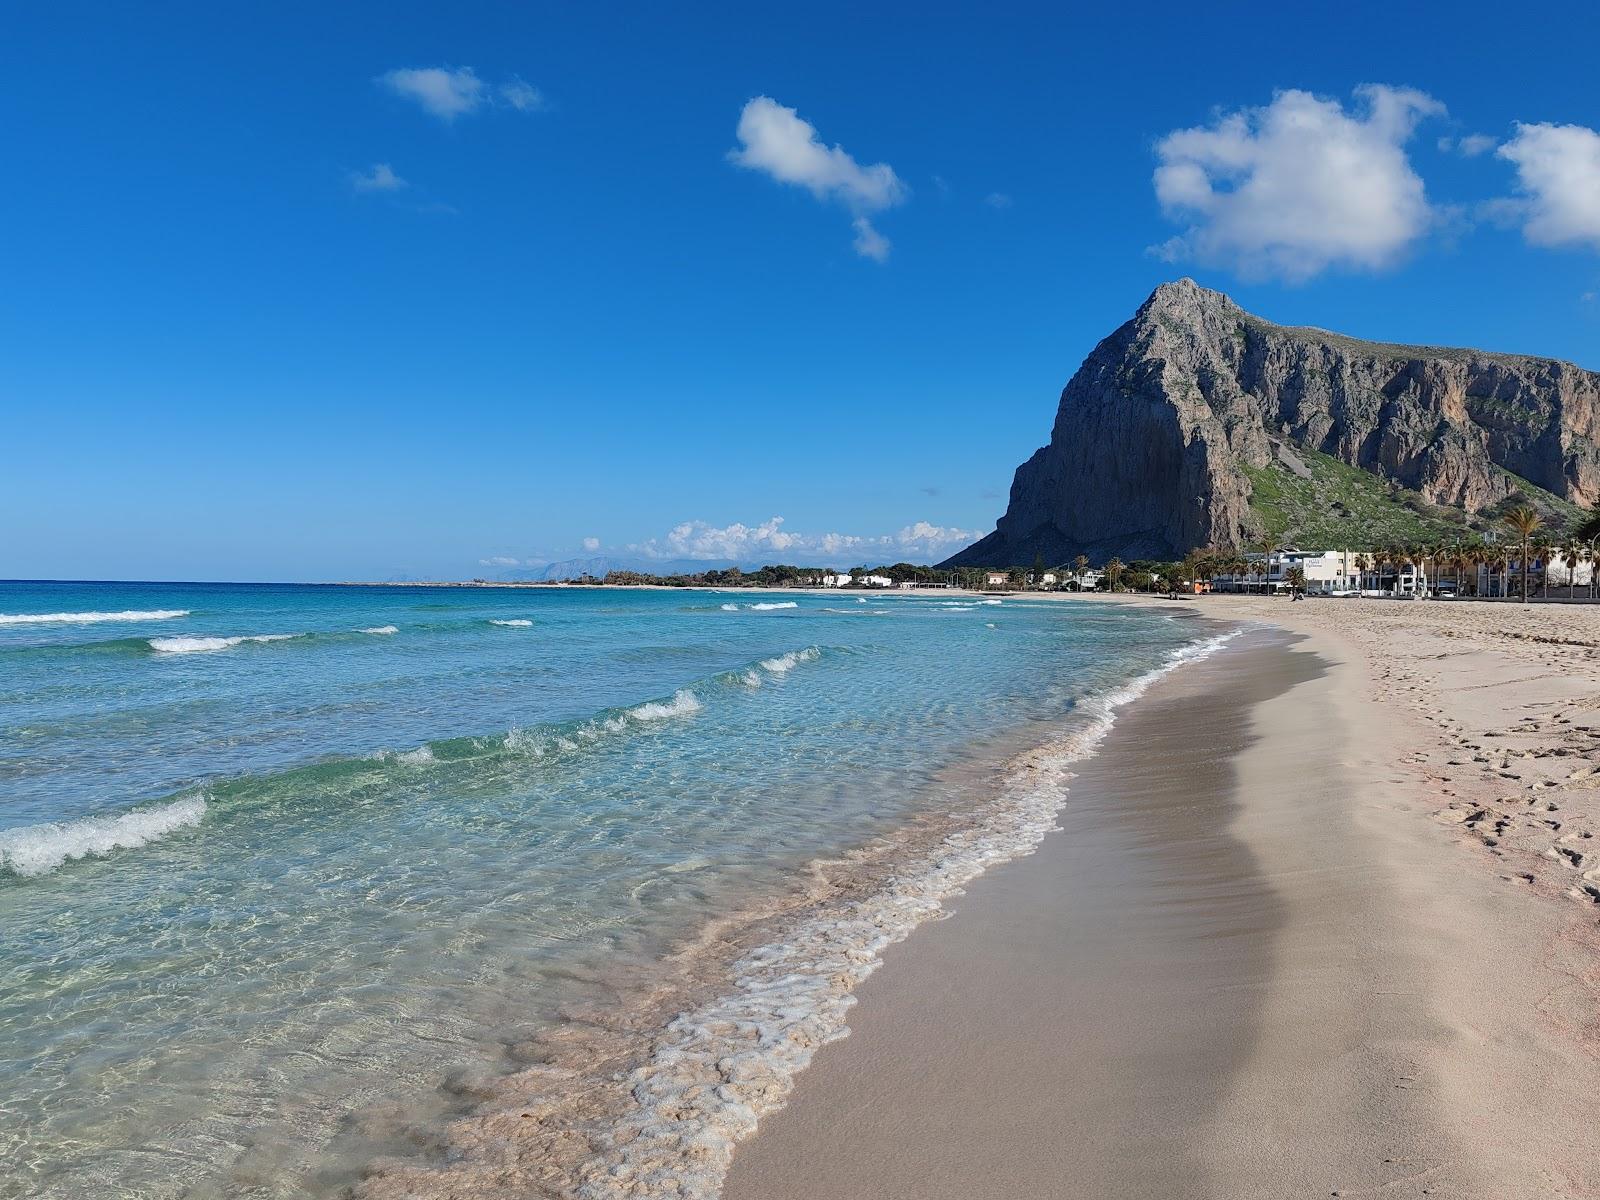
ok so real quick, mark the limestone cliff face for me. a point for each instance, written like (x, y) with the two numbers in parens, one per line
(1149, 440)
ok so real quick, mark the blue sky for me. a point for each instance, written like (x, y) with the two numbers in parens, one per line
(317, 292)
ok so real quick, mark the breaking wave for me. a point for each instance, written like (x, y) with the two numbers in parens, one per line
(39, 849)
(770, 606)
(91, 618)
(785, 663)
(513, 623)
(381, 629)
(204, 645)
(683, 703)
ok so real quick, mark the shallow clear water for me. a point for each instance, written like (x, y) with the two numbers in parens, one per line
(266, 905)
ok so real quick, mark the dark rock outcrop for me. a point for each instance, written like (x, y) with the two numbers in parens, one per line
(1152, 434)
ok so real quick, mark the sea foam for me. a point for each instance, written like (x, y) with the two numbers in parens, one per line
(514, 623)
(91, 618)
(715, 1071)
(769, 606)
(683, 703)
(203, 645)
(380, 629)
(40, 849)
(784, 663)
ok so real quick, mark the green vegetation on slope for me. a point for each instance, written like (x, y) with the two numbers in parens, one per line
(1336, 505)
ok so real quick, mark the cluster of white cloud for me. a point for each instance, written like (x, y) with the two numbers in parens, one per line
(1304, 184)
(778, 142)
(446, 93)
(1558, 174)
(451, 92)
(1298, 186)
(744, 543)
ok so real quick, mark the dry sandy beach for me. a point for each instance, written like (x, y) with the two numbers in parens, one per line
(1320, 920)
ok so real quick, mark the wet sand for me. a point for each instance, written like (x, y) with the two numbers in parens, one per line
(1246, 966)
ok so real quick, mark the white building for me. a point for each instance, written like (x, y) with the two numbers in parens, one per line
(1084, 581)
(1505, 578)
(996, 579)
(878, 581)
(1579, 575)
(1327, 572)
(836, 581)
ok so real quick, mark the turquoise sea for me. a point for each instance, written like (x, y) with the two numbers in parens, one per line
(295, 879)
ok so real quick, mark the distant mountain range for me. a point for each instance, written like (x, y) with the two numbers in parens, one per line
(1198, 424)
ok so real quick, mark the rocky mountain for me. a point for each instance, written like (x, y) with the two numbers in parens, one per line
(1198, 424)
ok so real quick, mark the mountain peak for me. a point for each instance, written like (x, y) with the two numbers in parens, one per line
(1169, 438)
(1186, 294)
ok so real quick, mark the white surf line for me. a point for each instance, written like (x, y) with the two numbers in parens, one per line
(716, 1071)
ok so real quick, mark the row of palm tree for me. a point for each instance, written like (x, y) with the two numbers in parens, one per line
(1459, 561)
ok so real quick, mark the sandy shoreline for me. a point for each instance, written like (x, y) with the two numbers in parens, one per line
(1380, 980)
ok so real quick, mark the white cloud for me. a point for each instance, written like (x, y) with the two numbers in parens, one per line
(1558, 173)
(769, 541)
(446, 92)
(776, 141)
(521, 95)
(451, 92)
(997, 200)
(869, 242)
(498, 560)
(1470, 146)
(591, 544)
(1299, 186)
(380, 177)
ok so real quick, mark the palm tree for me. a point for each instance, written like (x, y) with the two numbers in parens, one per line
(1079, 566)
(1450, 556)
(1544, 547)
(1113, 573)
(1404, 557)
(1523, 522)
(1231, 564)
(1499, 563)
(1267, 546)
(1382, 559)
(1478, 560)
(1571, 556)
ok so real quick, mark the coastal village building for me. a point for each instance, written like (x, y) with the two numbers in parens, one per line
(1333, 573)
(996, 579)
(1505, 579)
(878, 581)
(1084, 581)
(1327, 572)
